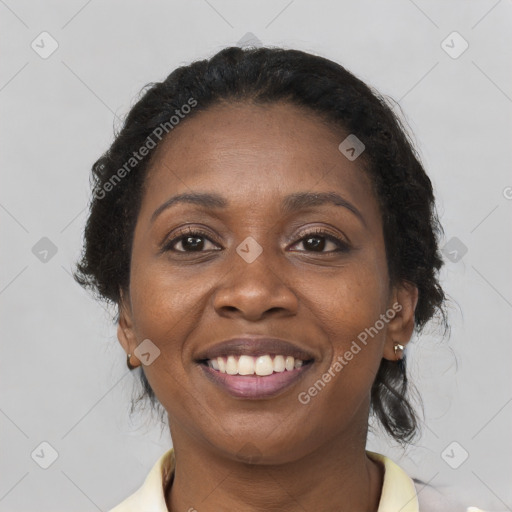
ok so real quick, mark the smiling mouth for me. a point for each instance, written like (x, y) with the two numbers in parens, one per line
(261, 366)
(254, 377)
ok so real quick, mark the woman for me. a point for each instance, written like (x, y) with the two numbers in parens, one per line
(269, 237)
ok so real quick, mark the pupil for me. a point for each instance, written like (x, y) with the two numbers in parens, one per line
(320, 242)
(193, 245)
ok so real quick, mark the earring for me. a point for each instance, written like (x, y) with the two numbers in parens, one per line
(128, 362)
(396, 348)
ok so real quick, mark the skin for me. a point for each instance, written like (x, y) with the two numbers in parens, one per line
(276, 453)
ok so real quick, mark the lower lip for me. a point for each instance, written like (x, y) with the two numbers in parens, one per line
(255, 386)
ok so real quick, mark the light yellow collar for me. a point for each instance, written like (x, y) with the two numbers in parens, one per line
(398, 491)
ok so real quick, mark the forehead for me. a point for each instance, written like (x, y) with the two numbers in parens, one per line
(253, 154)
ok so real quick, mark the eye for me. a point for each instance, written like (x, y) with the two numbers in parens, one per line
(319, 239)
(191, 240)
(196, 240)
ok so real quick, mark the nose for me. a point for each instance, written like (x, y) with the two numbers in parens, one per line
(254, 291)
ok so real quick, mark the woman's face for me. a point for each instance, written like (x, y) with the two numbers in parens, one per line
(291, 280)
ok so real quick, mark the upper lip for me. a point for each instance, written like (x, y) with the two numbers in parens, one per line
(255, 346)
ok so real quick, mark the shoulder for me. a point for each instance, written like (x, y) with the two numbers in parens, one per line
(401, 492)
(431, 499)
(150, 496)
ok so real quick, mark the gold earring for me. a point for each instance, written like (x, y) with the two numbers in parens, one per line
(396, 348)
(128, 362)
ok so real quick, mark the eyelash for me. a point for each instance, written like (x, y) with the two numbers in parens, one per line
(322, 233)
(317, 233)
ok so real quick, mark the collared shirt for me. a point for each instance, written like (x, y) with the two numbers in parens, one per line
(399, 493)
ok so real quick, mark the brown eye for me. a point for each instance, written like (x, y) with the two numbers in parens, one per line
(319, 240)
(192, 240)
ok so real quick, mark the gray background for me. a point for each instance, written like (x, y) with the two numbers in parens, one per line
(63, 374)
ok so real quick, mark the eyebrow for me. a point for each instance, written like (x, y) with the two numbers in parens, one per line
(290, 204)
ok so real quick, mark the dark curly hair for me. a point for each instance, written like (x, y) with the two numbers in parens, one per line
(318, 85)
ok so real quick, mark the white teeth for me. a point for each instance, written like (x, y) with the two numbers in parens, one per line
(279, 364)
(248, 365)
(231, 366)
(264, 366)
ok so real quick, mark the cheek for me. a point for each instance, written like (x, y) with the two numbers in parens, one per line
(350, 302)
(349, 307)
(169, 308)
(165, 310)
(161, 305)
(166, 307)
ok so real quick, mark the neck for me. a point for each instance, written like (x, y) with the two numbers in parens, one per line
(337, 476)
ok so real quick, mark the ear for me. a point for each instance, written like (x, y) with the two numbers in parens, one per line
(403, 301)
(125, 332)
